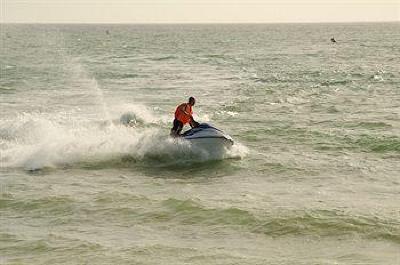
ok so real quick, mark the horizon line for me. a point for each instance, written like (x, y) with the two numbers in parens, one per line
(203, 22)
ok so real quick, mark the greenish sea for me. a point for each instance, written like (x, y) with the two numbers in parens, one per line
(313, 176)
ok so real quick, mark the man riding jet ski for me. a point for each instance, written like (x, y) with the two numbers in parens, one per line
(183, 115)
(200, 134)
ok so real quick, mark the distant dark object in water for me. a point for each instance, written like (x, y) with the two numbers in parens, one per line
(333, 40)
(107, 32)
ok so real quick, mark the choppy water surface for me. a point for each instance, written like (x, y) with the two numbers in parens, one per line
(314, 177)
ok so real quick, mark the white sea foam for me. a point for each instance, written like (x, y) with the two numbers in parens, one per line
(238, 150)
(134, 114)
(35, 141)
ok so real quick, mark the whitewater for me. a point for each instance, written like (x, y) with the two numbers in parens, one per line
(89, 174)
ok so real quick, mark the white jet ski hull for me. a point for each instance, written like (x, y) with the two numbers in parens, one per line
(209, 138)
(210, 143)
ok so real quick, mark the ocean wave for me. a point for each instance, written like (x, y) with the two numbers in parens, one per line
(327, 223)
(51, 205)
(322, 140)
(38, 141)
(368, 125)
(381, 144)
(163, 58)
(334, 82)
(121, 76)
(127, 209)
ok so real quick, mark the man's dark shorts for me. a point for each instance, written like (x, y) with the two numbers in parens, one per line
(178, 126)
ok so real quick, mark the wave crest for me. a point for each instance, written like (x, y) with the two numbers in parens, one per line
(36, 141)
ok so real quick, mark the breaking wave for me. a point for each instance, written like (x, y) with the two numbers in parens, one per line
(36, 140)
(327, 223)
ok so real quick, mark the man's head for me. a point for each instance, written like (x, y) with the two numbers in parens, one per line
(192, 101)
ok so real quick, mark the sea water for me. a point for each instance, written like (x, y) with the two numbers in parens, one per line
(89, 175)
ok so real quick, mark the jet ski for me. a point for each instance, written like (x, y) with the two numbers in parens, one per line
(207, 136)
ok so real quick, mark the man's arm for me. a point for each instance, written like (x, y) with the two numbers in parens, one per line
(193, 123)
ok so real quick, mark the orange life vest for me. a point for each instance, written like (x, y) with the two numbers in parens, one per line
(182, 116)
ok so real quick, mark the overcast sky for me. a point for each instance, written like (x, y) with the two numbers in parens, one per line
(197, 11)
